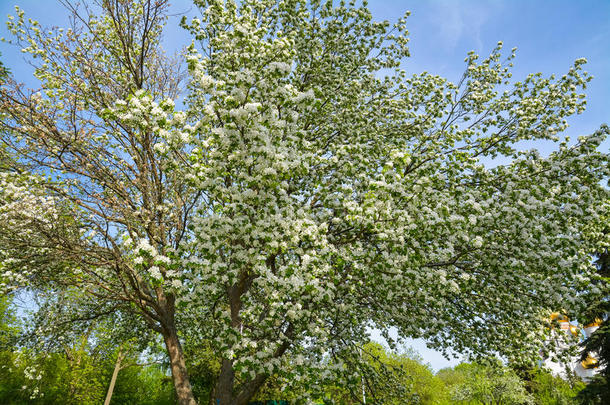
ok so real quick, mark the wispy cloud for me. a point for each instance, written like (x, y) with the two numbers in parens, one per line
(456, 21)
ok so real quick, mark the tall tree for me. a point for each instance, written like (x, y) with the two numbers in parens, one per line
(597, 345)
(103, 172)
(310, 188)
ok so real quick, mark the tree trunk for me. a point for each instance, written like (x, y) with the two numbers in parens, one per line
(224, 393)
(115, 373)
(179, 374)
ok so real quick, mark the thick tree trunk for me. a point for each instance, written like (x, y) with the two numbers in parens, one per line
(247, 392)
(115, 373)
(179, 374)
(224, 393)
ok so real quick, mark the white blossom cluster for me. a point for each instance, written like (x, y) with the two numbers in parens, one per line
(24, 210)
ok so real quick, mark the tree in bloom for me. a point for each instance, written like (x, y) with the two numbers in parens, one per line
(308, 190)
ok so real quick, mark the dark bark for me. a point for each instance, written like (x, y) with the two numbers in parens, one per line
(180, 376)
(224, 391)
(250, 389)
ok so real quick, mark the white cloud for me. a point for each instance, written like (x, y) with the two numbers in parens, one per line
(456, 21)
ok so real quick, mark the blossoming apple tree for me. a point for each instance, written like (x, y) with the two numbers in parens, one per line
(308, 190)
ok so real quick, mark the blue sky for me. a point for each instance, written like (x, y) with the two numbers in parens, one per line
(549, 36)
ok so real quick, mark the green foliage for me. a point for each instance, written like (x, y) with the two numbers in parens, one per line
(79, 379)
(390, 378)
(551, 390)
(142, 386)
(473, 383)
(49, 379)
(597, 391)
(8, 329)
(4, 72)
(598, 344)
(203, 368)
(76, 372)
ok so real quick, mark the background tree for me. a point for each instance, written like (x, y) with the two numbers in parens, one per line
(8, 328)
(597, 345)
(552, 390)
(547, 388)
(310, 189)
(489, 384)
(76, 369)
(27, 377)
(390, 378)
(104, 173)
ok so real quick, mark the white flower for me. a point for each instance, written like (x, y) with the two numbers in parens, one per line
(477, 242)
(155, 272)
